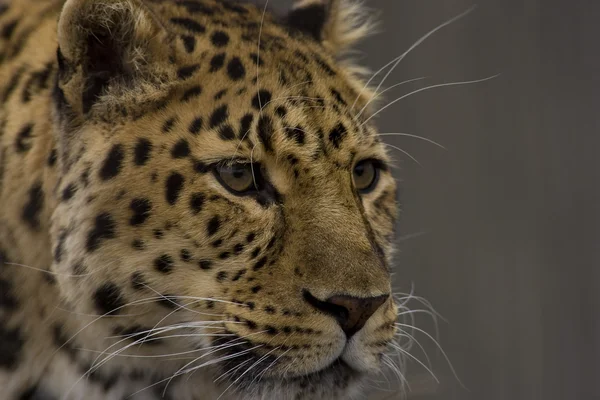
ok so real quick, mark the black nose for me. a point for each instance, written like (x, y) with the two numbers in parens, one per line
(352, 313)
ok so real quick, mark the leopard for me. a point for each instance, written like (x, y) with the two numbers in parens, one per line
(195, 202)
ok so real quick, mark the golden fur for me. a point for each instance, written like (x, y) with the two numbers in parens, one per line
(112, 224)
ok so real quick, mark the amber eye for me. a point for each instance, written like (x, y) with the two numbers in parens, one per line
(237, 177)
(366, 175)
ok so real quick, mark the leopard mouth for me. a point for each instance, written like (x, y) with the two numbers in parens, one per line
(247, 371)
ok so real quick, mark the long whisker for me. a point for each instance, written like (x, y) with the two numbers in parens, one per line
(429, 88)
(414, 136)
(375, 96)
(421, 40)
(400, 349)
(47, 271)
(438, 346)
(398, 59)
(262, 21)
(404, 152)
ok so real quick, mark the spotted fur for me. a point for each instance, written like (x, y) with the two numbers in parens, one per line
(113, 224)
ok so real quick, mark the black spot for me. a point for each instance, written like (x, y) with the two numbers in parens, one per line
(271, 330)
(261, 99)
(246, 125)
(265, 132)
(181, 149)
(52, 158)
(8, 29)
(217, 243)
(11, 344)
(169, 301)
(250, 305)
(234, 7)
(235, 69)
(337, 135)
(239, 274)
(250, 238)
(189, 42)
(225, 255)
(138, 244)
(12, 84)
(220, 94)
(338, 97)
(251, 324)
(219, 116)
(296, 134)
(7, 299)
(164, 263)
(201, 167)
(323, 64)
(108, 299)
(195, 7)
(216, 63)
(158, 233)
(219, 39)
(22, 143)
(85, 177)
(141, 211)
(271, 243)
(137, 281)
(197, 202)
(309, 20)
(255, 253)
(226, 133)
(69, 192)
(189, 24)
(256, 59)
(112, 163)
(104, 229)
(185, 255)
(260, 263)
(256, 289)
(192, 92)
(281, 111)
(213, 225)
(238, 248)
(205, 264)
(221, 276)
(196, 126)
(174, 185)
(168, 125)
(187, 71)
(33, 207)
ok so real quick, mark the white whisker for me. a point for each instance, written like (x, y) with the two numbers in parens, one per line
(414, 136)
(428, 88)
(403, 151)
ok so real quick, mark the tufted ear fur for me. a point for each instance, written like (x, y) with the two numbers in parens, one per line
(338, 24)
(105, 47)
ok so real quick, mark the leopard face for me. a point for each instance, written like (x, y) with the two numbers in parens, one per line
(221, 195)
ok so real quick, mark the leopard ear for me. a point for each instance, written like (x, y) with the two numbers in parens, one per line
(338, 24)
(104, 46)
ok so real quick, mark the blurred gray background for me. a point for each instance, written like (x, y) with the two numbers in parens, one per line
(509, 214)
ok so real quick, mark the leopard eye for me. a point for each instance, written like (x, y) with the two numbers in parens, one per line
(366, 175)
(237, 177)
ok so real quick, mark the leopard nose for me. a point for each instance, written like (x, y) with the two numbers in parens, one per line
(352, 313)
